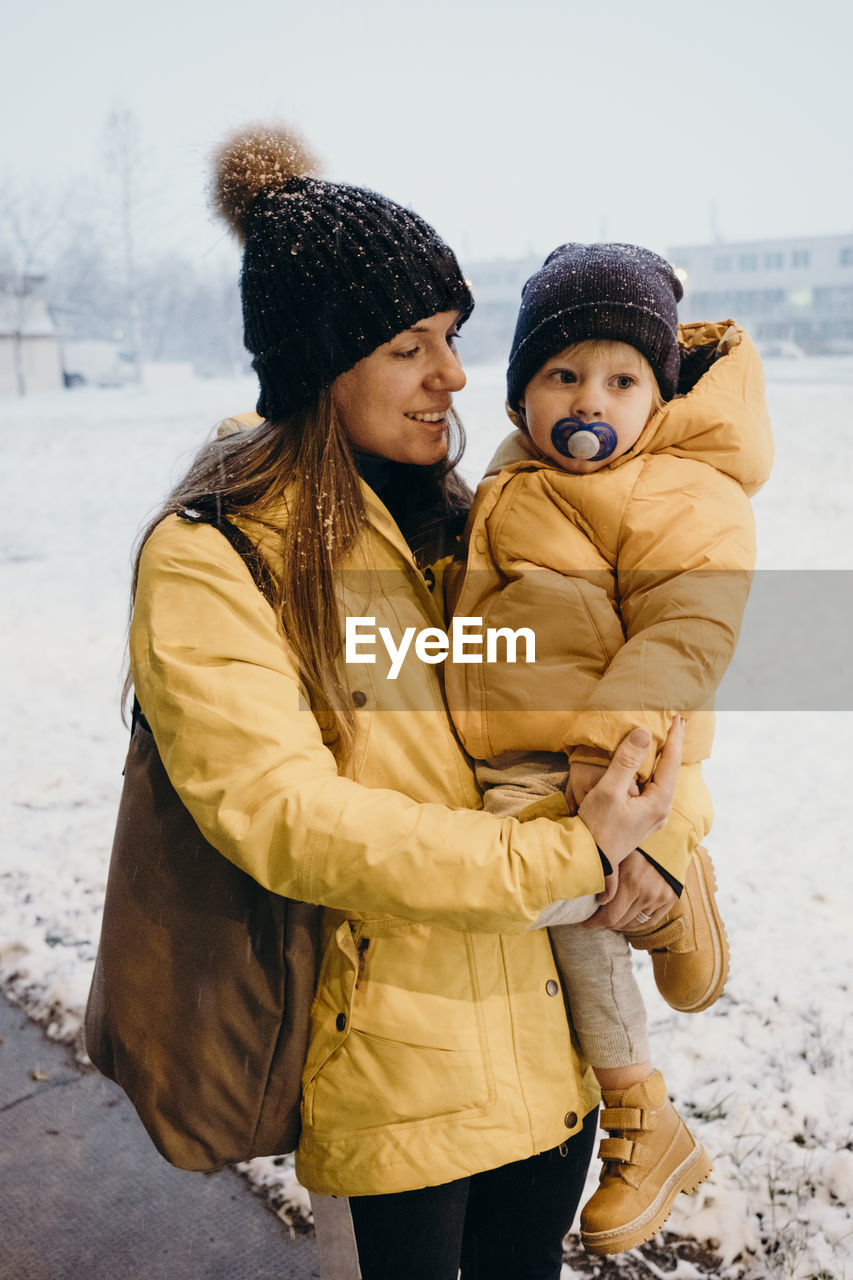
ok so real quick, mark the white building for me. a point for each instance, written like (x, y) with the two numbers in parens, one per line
(799, 289)
(496, 286)
(796, 290)
(29, 346)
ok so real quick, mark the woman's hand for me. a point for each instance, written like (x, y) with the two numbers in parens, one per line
(619, 820)
(636, 889)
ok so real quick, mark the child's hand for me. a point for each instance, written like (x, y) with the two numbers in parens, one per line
(582, 779)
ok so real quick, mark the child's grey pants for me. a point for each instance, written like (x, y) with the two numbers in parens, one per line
(607, 1009)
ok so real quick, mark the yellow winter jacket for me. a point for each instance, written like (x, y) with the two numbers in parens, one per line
(633, 578)
(439, 1044)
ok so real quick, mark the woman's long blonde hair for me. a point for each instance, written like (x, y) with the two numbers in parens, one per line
(308, 456)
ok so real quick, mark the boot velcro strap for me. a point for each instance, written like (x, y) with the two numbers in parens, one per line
(624, 1153)
(620, 1118)
(619, 1149)
(663, 939)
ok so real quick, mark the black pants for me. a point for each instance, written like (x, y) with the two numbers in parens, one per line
(505, 1224)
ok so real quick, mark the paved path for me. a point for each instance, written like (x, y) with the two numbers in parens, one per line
(85, 1196)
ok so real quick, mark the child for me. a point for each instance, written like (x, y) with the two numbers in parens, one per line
(618, 527)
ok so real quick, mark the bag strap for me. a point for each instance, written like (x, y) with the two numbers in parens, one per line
(208, 510)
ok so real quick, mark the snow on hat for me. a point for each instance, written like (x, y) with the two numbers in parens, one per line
(330, 272)
(619, 292)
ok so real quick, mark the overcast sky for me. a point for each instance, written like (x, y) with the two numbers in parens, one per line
(513, 125)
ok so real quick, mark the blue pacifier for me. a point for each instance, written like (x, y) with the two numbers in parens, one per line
(587, 441)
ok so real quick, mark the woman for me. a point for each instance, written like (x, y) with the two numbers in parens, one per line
(441, 1092)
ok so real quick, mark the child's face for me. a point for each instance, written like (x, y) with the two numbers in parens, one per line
(601, 382)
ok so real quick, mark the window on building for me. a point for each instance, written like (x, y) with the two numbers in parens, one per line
(838, 300)
(799, 257)
(748, 262)
(845, 257)
(723, 263)
(774, 261)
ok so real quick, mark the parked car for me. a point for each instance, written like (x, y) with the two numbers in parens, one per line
(780, 349)
(96, 363)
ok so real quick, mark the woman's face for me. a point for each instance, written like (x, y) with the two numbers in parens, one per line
(394, 403)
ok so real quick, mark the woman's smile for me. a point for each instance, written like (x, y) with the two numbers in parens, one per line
(440, 417)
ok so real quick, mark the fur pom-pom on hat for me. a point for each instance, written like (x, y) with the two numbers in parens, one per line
(257, 157)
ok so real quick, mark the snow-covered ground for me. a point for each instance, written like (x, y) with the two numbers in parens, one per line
(765, 1074)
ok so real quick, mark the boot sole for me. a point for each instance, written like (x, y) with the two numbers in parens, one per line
(692, 1171)
(707, 882)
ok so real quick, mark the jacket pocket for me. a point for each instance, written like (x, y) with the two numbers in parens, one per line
(414, 1049)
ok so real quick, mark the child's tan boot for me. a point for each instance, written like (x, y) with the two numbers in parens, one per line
(649, 1158)
(690, 953)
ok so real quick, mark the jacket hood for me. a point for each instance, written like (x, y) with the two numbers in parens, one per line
(719, 418)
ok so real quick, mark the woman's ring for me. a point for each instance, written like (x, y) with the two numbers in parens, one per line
(642, 918)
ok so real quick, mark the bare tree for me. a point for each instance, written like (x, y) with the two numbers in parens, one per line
(85, 292)
(90, 247)
(124, 160)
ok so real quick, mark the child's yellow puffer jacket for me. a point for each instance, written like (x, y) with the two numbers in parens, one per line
(633, 578)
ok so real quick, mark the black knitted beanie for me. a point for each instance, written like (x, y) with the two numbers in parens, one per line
(330, 272)
(615, 291)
